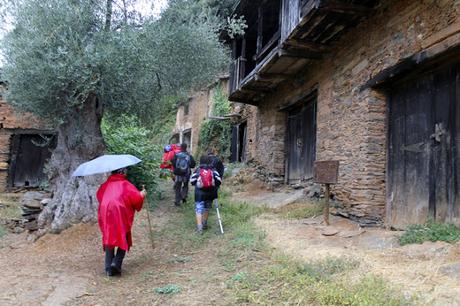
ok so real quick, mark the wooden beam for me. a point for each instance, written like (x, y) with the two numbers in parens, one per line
(338, 6)
(307, 45)
(271, 76)
(300, 54)
(260, 30)
(255, 89)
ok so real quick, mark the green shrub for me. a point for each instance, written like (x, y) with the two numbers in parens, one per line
(126, 135)
(169, 289)
(431, 231)
(217, 134)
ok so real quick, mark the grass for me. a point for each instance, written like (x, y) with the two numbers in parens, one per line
(11, 211)
(256, 274)
(2, 231)
(431, 231)
(322, 282)
(301, 210)
(169, 289)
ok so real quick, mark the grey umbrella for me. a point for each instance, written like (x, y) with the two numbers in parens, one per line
(106, 163)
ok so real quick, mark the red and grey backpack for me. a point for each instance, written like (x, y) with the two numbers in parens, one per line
(206, 179)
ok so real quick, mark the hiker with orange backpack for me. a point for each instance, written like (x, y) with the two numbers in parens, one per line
(206, 181)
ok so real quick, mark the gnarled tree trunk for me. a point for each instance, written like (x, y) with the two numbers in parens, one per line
(79, 140)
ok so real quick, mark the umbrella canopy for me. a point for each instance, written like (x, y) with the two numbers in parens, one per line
(106, 163)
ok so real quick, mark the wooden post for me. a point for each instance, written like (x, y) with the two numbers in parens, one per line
(327, 173)
(326, 203)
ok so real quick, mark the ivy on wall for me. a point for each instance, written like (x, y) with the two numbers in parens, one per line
(217, 134)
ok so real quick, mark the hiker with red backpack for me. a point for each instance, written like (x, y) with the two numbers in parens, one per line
(206, 181)
(182, 162)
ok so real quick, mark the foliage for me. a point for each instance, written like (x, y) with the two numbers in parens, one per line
(60, 52)
(164, 120)
(126, 136)
(217, 134)
(169, 289)
(431, 231)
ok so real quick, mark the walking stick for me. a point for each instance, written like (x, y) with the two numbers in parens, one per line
(148, 219)
(218, 217)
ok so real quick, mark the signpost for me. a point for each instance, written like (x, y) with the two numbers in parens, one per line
(326, 172)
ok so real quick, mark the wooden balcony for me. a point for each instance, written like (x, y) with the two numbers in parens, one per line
(298, 44)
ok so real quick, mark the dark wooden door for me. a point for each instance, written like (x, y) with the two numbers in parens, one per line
(29, 155)
(424, 164)
(301, 142)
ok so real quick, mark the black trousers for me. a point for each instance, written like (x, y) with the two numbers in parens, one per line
(181, 188)
(114, 259)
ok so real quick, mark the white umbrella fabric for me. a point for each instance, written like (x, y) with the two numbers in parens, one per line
(106, 163)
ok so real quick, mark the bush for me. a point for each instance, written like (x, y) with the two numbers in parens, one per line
(126, 136)
(431, 231)
(217, 134)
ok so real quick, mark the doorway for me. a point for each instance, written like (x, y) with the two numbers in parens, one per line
(238, 147)
(29, 154)
(424, 148)
(301, 140)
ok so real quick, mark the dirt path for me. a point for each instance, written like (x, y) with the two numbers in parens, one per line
(430, 270)
(68, 268)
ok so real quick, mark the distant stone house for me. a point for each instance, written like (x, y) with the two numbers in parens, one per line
(372, 84)
(25, 146)
(192, 113)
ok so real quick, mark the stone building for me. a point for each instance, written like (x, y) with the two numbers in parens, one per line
(372, 84)
(25, 145)
(192, 113)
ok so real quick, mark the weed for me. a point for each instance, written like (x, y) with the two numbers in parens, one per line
(179, 259)
(301, 211)
(431, 231)
(368, 291)
(322, 282)
(2, 231)
(240, 277)
(169, 289)
(11, 210)
(324, 269)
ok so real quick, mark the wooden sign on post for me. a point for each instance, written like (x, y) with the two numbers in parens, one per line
(326, 172)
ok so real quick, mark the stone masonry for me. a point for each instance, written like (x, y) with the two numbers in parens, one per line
(351, 123)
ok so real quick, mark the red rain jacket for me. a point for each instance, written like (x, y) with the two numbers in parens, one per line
(118, 200)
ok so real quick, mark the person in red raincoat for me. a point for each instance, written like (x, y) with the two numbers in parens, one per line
(118, 201)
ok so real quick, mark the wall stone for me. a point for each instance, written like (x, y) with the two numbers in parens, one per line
(351, 123)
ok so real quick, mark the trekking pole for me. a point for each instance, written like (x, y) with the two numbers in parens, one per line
(218, 217)
(148, 219)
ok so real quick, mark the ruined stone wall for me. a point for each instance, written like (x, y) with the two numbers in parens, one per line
(351, 124)
(11, 122)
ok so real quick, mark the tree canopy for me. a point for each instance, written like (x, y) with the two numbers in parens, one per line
(62, 51)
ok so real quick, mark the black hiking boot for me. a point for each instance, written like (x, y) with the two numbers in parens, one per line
(109, 272)
(115, 270)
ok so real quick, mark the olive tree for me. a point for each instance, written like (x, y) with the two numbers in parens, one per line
(71, 61)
